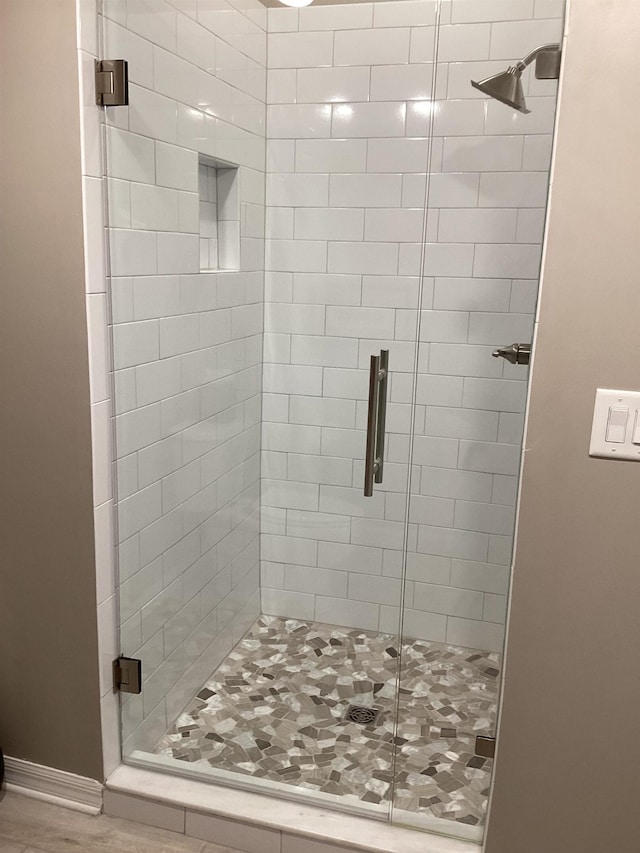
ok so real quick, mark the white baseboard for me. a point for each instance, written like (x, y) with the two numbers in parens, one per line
(53, 786)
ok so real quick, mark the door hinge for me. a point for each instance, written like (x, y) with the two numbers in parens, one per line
(485, 746)
(127, 675)
(112, 82)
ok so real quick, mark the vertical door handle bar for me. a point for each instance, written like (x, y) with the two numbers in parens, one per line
(376, 420)
(372, 418)
(381, 427)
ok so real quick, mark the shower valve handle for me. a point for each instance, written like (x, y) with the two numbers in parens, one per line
(515, 353)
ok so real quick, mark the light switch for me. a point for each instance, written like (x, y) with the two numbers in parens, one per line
(615, 433)
(617, 425)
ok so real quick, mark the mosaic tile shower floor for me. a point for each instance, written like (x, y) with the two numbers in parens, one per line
(275, 709)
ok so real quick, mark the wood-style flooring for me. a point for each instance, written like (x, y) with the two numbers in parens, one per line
(31, 826)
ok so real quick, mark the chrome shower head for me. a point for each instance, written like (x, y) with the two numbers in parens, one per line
(506, 86)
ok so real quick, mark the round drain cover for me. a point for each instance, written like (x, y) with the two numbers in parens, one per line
(361, 714)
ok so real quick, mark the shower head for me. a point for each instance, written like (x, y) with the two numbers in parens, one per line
(506, 86)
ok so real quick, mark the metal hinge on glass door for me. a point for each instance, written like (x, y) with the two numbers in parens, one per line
(127, 675)
(485, 746)
(112, 82)
(376, 421)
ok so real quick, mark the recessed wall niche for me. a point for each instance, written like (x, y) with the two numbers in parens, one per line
(219, 214)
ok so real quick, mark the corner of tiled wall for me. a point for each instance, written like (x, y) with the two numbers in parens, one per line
(93, 204)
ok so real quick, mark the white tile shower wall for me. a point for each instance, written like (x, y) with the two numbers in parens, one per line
(187, 344)
(349, 117)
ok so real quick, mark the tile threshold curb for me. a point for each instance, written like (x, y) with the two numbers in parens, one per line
(247, 809)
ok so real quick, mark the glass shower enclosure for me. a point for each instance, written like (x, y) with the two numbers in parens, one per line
(319, 234)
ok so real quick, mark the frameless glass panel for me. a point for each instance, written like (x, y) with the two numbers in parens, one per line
(486, 189)
(344, 236)
(258, 584)
(185, 167)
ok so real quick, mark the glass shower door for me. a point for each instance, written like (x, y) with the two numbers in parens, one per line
(276, 218)
(259, 586)
(486, 199)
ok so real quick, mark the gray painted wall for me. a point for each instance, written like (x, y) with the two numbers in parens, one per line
(49, 711)
(567, 770)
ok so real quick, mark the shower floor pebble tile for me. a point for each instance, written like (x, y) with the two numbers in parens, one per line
(276, 706)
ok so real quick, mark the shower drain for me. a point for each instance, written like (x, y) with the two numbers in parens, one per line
(362, 715)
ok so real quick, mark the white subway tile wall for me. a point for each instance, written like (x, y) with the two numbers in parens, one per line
(349, 117)
(187, 266)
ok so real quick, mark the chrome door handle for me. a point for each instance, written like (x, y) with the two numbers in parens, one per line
(381, 429)
(515, 353)
(376, 421)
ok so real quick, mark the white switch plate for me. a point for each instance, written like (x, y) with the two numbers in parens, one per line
(607, 399)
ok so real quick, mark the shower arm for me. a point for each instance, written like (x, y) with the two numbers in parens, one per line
(523, 63)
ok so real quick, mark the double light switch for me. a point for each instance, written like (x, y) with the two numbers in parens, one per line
(615, 433)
